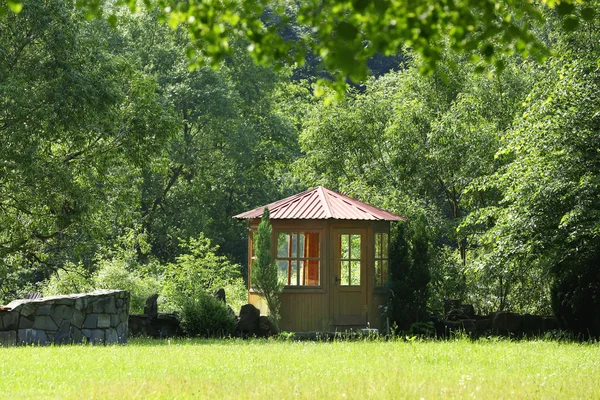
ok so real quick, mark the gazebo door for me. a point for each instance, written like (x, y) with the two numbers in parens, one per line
(350, 277)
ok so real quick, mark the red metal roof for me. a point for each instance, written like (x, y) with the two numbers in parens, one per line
(321, 203)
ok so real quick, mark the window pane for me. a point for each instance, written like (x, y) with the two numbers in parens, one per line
(355, 273)
(355, 247)
(312, 272)
(345, 247)
(301, 245)
(301, 273)
(283, 240)
(377, 272)
(384, 242)
(282, 271)
(378, 245)
(312, 244)
(345, 273)
(294, 245)
(294, 273)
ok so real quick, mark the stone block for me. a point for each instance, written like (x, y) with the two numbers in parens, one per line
(102, 304)
(507, 322)
(91, 321)
(76, 335)
(81, 303)
(44, 322)
(25, 323)
(114, 320)
(119, 303)
(8, 338)
(110, 306)
(77, 318)
(62, 312)
(44, 310)
(249, 318)
(10, 321)
(63, 336)
(124, 316)
(122, 332)
(2, 323)
(467, 325)
(33, 336)
(94, 336)
(532, 324)
(111, 336)
(28, 309)
(549, 324)
(103, 320)
(482, 325)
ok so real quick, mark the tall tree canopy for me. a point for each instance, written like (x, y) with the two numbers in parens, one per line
(347, 33)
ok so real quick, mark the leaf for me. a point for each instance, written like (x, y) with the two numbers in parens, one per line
(15, 6)
(570, 24)
(564, 8)
(588, 14)
(347, 31)
(112, 20)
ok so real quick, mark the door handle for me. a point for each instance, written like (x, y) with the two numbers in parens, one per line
(337, 280)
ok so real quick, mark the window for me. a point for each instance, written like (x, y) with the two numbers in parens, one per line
(349, 256)
(381, 258)
(298, 258)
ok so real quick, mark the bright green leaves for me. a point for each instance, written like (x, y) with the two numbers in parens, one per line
(15, 6)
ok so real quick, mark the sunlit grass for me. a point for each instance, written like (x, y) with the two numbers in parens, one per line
(276, 369)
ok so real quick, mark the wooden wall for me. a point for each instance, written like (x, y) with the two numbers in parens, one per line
(311, 308)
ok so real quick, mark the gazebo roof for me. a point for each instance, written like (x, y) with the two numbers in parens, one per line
(321, 203)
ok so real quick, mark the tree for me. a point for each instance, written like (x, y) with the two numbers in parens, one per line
(410, 250)
(76, 122)
(347, 33)
(264, 278)
(541, 238)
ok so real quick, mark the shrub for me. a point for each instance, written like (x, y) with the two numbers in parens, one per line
(114, 274)
(199, 271)
(69, 279)
(206, 316)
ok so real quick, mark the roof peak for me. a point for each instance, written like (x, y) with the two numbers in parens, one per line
(321, 203)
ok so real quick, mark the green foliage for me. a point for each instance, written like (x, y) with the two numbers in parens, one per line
(198, 272)
(264, 277)
(576, 292)
(205, 316)
(117, 268)
(543, 228)
(70, 279)
(350, 32)
(409, 254)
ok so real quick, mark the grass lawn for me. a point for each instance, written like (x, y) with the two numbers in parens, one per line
(276, 369)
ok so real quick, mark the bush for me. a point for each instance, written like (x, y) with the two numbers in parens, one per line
(114, 274)
(206, 316)
(200, 271)
(70, 279)
(111, 274)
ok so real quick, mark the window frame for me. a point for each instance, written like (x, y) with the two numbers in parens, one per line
(379, 257)
(297, 259)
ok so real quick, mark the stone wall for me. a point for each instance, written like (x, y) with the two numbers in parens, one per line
(100, 317)
(462, 317)
(154, 325)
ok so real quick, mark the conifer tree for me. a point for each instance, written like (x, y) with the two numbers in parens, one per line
(264, 269)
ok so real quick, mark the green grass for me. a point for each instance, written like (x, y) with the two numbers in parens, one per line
(275, 369)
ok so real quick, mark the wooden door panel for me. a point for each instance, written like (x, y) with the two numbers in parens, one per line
(349, 291)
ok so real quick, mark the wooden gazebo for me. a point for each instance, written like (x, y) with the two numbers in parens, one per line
(332, 254)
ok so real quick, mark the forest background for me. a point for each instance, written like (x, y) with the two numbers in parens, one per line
(121, 165)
